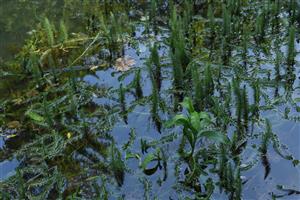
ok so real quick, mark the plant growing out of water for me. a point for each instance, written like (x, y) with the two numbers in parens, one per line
(266, 138)
(260, 27)
(245, 44)
(226, 21)
(115, 33)
(177, 41)
(49, 31)
(150, 157)
(242, 108)
(154, 59)
(137, 84)
(291, 48)
(292, 10)
(212, 25)
(122, 102)
(152, 15)
(200, 138)
(197, 126)
(198, 88)
(154, 96)
(256, 97)
(208, 80)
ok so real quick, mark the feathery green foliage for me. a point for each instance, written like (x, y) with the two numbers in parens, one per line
(291, 46)
(226, 21)
(122, 102)
(154, 58)
(63, 32)
(137, 84)
(198, 88)
(60, 123)
(49, 31)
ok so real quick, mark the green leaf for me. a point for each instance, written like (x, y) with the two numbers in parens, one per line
(177, 120)
(188, 104)
(195, 121)
(190, 136)
(204, 115)
(34, 116)
(130, 155)
(149, 158)
(215, 136)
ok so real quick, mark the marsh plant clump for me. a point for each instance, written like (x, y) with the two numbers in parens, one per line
(149, 99)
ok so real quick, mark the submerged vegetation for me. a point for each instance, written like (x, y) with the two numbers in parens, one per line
(150, 100)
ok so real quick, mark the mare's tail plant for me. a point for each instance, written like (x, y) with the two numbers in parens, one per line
(137, 84)
(266, 138)
(245, 105)
(154, 58)
(208, 84)
(260, 26)
(155, 96)
(226, 21)
(49, 32)
(291, 48)
(123, 103)
(256, 97)
(63, 32)
(198, 88)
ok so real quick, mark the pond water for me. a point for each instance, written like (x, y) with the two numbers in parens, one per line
(89, 129)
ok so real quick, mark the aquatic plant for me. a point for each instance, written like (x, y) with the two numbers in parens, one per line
(208, 81)
(61, 128)
(291, 47)
(264, 147)
(212, 25)
(292, 10)
(154, 59)
(256, 97)
(196, 125)
(226, 21)
(137, 84)
(177, 41)
(122, 104)
(198, 88)
(155, 99)
(260, 27)
(63, 32)
(245, 44)
(49, 31)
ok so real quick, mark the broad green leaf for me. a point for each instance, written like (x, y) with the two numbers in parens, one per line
(180, 120)
(215, 136)
(205, 123)
(188, 104)
(195, 121)
(177, 120)
(34, 116)
(204, 115)
(149, 158)
(130, 155)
